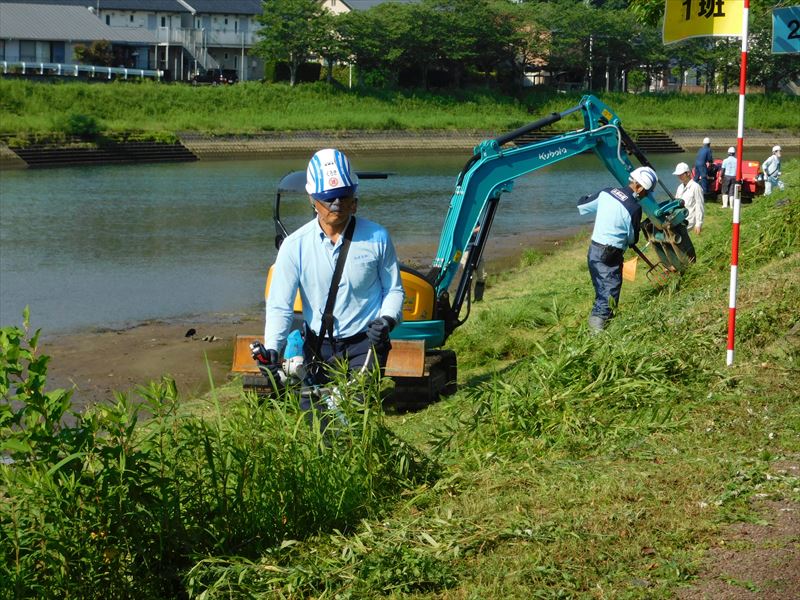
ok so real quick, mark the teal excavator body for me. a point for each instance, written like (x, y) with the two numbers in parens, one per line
(491, 172)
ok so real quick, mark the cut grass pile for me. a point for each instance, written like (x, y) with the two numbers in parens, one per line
(568, 465)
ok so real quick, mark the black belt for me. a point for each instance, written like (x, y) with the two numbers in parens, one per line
(599, 245)
(353, 339)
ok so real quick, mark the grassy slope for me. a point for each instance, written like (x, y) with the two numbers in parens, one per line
(27, 107)
(580, 466)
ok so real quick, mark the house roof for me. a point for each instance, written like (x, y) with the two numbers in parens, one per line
(367, 4)
(226, 7)
(57, 22)
(172, 6)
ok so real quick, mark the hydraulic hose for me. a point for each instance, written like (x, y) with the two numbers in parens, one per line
(543, 122)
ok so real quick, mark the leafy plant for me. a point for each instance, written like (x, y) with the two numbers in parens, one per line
(82, 126)
(113, 505)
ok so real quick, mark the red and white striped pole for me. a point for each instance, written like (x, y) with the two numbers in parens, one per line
(737, 194)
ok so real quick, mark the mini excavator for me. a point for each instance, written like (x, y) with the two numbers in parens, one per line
(421, 368)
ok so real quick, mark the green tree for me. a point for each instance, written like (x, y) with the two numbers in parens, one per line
(98, 52)
(292, 30)
(378, 40)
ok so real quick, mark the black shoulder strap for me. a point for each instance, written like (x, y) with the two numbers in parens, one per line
(327, 316)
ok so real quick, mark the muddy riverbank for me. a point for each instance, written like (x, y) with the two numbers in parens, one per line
(97, 362)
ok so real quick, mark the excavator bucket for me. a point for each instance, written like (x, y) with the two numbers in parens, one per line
(406, 359)
(243, 362)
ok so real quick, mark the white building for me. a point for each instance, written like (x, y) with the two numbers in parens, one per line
(179, 37)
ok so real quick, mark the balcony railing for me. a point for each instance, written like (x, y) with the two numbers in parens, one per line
(43, 68)
(230, 38)
(190, 38)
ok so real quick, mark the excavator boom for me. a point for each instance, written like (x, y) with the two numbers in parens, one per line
(492, 170)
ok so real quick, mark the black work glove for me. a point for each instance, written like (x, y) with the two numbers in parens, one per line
(378, 330)
(267, 360)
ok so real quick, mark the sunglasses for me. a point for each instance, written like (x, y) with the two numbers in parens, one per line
(340, 199)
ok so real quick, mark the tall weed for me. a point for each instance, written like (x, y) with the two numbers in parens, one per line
(117, 506)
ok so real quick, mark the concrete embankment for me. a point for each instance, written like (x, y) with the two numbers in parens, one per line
(212, 147)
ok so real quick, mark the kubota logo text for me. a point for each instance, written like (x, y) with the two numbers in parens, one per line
(552, 153)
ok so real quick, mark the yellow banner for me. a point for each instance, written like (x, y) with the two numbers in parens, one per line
(701, 18)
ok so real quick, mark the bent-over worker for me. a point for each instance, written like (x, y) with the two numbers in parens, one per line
(772, 171)
(616, 227)
(369, 297)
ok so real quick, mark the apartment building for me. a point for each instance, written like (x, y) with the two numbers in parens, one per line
(179, 37)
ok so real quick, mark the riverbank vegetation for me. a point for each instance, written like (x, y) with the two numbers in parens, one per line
(567, 465)
(34, 108)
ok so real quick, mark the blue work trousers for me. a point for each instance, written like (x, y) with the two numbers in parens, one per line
(701, 177)
(606, 277)
(355, 350)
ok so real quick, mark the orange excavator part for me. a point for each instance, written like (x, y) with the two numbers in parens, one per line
(406, 359)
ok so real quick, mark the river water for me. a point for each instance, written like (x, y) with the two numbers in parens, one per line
(111, 246)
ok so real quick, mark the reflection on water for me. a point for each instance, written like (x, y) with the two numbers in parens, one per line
(109, 246)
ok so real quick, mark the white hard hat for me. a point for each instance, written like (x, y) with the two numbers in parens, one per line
(645, 176)
(681, 169)
(731, 150)
(329, 176)
(706, 140)
(776, 148)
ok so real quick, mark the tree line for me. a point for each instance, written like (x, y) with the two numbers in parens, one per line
(605, 44)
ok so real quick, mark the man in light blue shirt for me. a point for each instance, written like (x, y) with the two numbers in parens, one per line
(369, 297)
(728, 177)
(616, 227)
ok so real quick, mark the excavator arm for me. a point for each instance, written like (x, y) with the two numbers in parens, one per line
(421, 369)
(491, 172)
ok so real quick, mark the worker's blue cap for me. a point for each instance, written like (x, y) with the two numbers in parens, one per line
(329, 176)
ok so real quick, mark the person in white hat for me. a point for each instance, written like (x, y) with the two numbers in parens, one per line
(728, 177)
(689, 191)
(369, 299)
(772, 171)
(616, 227)
(703, 162)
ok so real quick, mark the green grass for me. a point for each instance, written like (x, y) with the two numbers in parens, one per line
(568, 465)
(579, 465)
(250, 107)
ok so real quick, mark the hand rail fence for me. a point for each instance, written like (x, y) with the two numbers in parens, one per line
(65, 69)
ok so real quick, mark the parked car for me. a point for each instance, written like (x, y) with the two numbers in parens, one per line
(216, 77)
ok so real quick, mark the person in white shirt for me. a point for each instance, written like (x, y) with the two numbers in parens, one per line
(728, 177)
(692, 195)
(772, 171)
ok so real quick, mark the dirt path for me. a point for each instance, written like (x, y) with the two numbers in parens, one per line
(98, 363)
(758, 560)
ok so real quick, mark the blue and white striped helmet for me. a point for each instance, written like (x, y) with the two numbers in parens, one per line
(329, 176)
